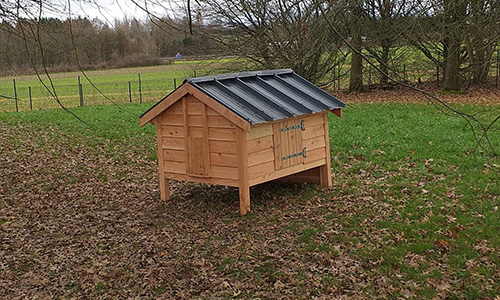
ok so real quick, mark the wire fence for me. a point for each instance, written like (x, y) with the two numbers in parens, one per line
(24, 95)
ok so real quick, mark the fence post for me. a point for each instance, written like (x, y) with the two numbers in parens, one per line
(175, 83)
(334, 79)
(129, 93)
(140, 88)
(15, 94)
(498, 65)
(80, 91)
(437, 71)
(369, 75)
(29, 93)
(194, 73)
(338, 77)
(404, 71)
(496, 78)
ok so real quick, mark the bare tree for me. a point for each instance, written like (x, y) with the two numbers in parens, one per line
(454, 13)
(356, 76)
(481, 37)
(386, 22)
(275, 34)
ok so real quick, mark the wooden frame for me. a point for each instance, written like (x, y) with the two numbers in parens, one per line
(187, 88)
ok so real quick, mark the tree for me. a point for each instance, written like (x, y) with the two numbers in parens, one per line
(356, 77)
(275, 34)
(386, 22)
(454, 13)
(481, 36)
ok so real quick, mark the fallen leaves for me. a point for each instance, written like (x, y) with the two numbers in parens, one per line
(84, 221)
(442, 245)
(474, 95)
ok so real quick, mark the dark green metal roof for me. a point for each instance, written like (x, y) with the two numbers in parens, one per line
(264, 96)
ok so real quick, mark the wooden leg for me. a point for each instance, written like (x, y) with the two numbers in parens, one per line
(164, 189)
(244, 186)
(325, 176)
(244, 200)
(325, 170)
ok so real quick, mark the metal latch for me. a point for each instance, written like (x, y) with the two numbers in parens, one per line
(303, 153)
(301, 126)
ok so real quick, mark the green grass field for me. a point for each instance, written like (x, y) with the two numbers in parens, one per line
(106, 86)
(411, 214)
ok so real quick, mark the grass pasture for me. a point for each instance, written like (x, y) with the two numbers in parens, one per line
(410, 214)
(105, 86)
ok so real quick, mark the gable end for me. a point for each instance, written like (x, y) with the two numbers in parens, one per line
(179, 93)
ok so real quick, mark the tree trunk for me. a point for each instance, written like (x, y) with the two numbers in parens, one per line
(479, 55)
(384, 62)
(356, 78)
(454, 15)
(452, 74)
(478, 41)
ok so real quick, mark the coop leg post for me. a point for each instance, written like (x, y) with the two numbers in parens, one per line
(244, 185)
(244, 200)
(164, 188)
(325, 176)
(325, 173)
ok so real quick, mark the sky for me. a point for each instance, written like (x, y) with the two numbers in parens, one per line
(106, 10)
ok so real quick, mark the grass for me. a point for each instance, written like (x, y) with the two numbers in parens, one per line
(112, 86)
(156, 82)
(412, 213)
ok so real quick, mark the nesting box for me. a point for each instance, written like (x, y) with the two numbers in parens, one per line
(243, 129)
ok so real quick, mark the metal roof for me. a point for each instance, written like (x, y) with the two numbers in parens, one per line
(264, 96)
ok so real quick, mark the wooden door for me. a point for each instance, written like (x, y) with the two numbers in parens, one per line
(196, 162)
(196, 130)
(288, 148)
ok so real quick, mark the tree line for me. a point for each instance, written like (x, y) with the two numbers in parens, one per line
(64, 45)
(313, 37)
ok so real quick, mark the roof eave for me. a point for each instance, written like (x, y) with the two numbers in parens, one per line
(187, 88)
(163, 104)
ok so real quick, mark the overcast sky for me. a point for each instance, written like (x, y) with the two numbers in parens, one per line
(106, 10)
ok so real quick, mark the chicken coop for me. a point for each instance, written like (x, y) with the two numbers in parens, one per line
(243, 129)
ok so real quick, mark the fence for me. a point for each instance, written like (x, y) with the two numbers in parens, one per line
(410, 71)
(23, 95)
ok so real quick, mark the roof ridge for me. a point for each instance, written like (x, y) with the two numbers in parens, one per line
(238, 75)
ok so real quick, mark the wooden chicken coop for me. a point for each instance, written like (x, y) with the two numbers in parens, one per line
(243, 129)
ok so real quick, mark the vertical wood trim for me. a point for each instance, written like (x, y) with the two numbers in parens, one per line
(206, 147)
(285, 144)
(244, 184)
(278, 149)
(186, 127)
(164, 191)
(326, 175)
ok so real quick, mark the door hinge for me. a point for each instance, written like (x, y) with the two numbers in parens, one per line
(301, 126)
(303, 153)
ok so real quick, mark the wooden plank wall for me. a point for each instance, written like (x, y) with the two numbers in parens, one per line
(222, 155)
(260, 150)
(261, 166)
